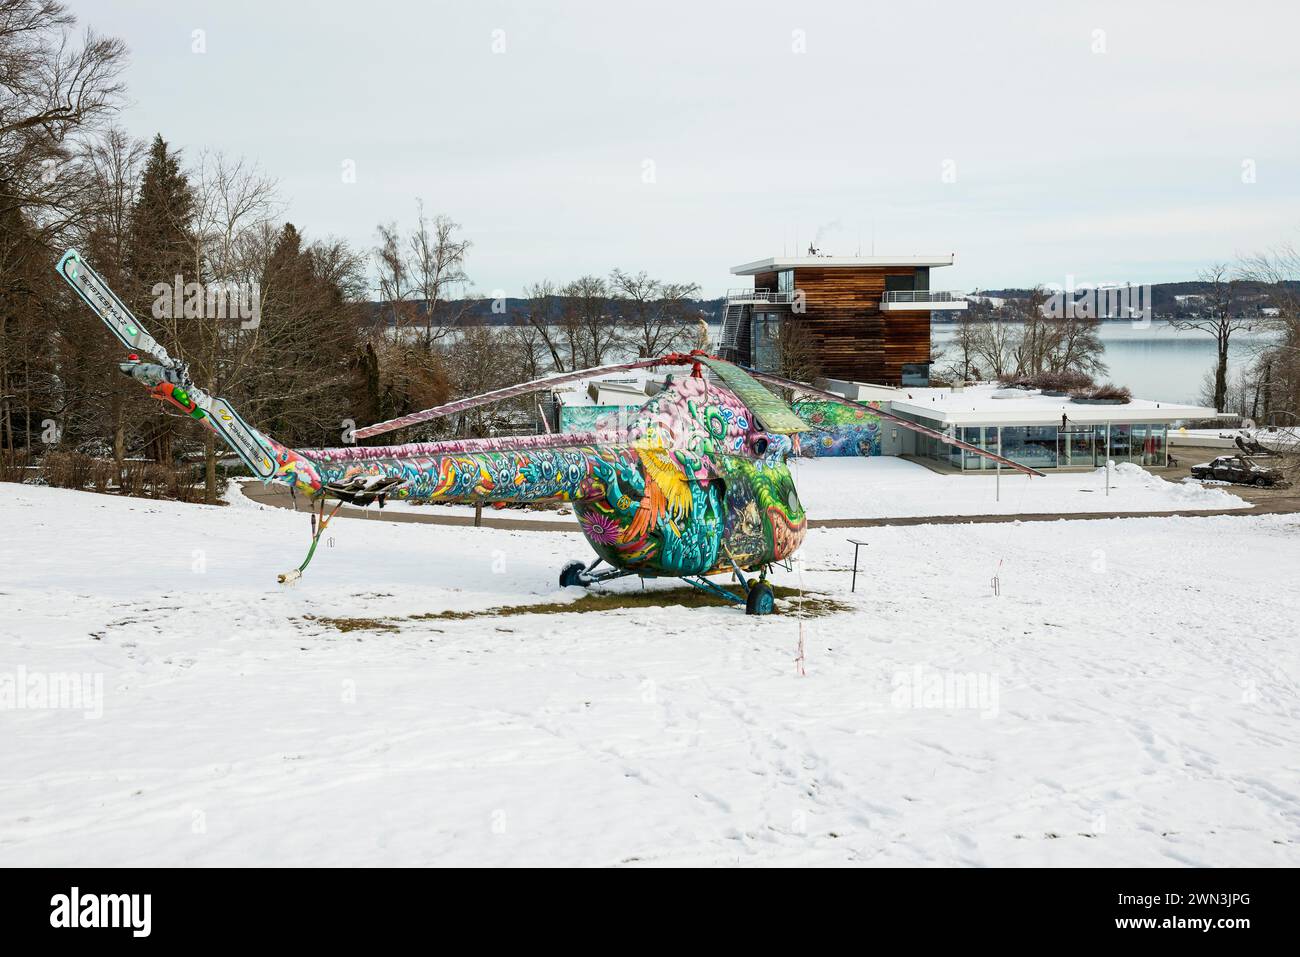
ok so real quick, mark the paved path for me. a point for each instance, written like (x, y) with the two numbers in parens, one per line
(1274, 504)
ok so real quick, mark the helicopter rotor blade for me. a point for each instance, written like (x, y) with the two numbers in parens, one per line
(771, 410)
(509, 392)
(899, 420)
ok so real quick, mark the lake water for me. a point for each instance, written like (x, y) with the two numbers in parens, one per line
(1156, 362)
(1159, 361)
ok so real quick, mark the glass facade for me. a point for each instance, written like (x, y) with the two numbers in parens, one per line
(1047, 447)
(1032, 445)
(765, 341)
(916, 373)
(1077, 448)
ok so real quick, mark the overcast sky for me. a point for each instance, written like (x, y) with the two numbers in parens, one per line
(1036, 140)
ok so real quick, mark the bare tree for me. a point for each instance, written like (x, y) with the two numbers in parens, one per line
(798, 353)
(56, 92)
(1219, 321)
(436, 267)
(1277, 273)
(1037, 334)
(111, 164)
(996, 344)
(1020, 341)
(481, 361)
(528, 351)
(655, 315)
(234, 205)
(1075, 346)
(394, 280)
(55, 89)
(586, 320)
(962, 349)
(541, 314)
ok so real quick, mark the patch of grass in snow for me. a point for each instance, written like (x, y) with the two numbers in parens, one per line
(789, 602)
(810, 606)
(355, 624)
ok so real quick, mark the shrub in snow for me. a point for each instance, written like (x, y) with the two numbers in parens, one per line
(1106, 392)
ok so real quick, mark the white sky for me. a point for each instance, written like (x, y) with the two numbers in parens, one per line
(1122, 165)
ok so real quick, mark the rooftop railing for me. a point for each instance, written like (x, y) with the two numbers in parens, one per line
(760, 295)
(921, 295)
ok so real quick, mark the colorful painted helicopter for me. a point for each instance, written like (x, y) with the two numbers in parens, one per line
(695, 484)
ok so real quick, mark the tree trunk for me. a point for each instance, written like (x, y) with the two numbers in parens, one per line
(210, 468)
(1221, 378)
(119, 443)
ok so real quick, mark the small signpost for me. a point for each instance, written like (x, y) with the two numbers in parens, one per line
(856, 545)
(997, 481)
(1108, 460)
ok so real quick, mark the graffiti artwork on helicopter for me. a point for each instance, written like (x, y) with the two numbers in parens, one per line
(684, 482)
(697, 416)
(765, 519)
(516, 475)
(702, 496)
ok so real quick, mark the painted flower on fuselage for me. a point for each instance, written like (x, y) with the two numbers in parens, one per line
(601, 529)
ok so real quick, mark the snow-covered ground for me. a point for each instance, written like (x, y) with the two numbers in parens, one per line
(891, 487)
(1130, 698)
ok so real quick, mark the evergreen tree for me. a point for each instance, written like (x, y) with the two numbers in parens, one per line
(159, 246)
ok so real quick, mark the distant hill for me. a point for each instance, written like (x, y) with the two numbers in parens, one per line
(511, 311)
(1164, 296)
(1165, 301)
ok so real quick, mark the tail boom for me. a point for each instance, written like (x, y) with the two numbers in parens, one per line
(167, 380)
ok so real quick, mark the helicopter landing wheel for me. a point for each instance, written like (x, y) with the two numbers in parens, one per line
(760, 600)
(573, 573)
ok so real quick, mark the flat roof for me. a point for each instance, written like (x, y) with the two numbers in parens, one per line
(838, 262)
(991, 405)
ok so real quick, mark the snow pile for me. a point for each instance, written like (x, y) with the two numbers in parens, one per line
(889, 487)
(1189, 493)
(1111, 707)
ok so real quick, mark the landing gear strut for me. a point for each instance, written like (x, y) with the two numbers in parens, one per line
(583, 574)
(758, 600)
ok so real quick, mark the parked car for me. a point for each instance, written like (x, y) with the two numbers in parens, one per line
(1239, 469)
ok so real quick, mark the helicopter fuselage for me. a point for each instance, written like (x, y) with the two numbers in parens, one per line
(691, 486)
(640, 508)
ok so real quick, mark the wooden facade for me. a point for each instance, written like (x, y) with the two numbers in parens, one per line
(850, 335)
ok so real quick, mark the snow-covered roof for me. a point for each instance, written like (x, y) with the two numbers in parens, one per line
(632, 387)
(988, 404)
(982, 404)
(838, 262)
